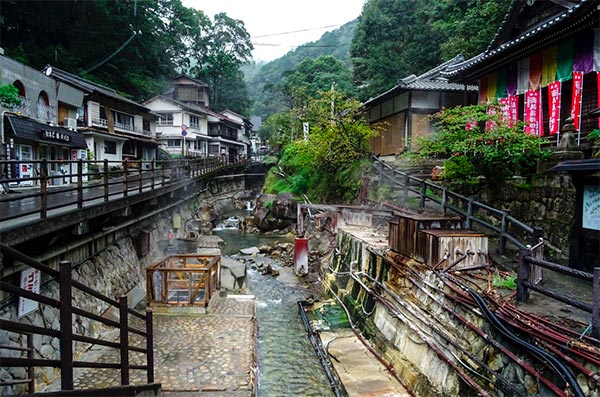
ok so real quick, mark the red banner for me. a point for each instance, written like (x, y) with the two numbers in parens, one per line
(576, 98)
(513, 108)
(554, 107)
(503, 102)
(532, 112)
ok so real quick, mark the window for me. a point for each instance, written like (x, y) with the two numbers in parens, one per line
(129, 147)
(44, 112)
(173, 142)
(165, 119)
(123, 121)
(110, 147)
(194, 121)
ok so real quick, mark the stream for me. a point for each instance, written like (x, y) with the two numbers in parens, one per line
(288, 365)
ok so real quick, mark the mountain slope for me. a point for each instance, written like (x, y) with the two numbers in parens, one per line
(262, 84)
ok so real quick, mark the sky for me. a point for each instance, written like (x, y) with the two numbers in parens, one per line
(279, 26)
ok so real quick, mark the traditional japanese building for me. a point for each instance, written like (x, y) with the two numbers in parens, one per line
(542, 66)
(402, 113)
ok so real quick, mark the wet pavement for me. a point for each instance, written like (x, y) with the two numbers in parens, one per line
(207, 355)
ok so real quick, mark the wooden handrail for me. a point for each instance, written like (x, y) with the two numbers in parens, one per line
(66, 334)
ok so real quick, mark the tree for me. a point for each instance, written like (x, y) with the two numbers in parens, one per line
(476, 140)
(326, 166)
(219, 53)
(9, 96)
(398, 38)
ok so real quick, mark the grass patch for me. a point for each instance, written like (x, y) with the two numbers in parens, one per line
(504, 282)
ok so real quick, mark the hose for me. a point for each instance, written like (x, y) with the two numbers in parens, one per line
(558, 367)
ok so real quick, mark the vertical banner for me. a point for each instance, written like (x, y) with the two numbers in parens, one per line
(576, 101)
(554, 107)
(30, 281)
(505, 108)
(532, 112)
(513, 108)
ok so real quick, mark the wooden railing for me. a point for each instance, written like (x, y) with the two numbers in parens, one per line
(66, 335)
(58, 184)
(500, 222)
(528, 261)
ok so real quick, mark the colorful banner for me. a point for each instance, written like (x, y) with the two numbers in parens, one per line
(532, 112)
(576, 98)
(549, 62)
(504, 108)
(513, 109)
(564, 68)
(535, 71)
(554, 107)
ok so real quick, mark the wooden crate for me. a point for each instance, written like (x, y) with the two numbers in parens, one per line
(403, 232)
(434, 244)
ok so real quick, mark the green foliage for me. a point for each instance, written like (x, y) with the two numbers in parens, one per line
(327, 165)
(155, 39)
(398, 38)
(9, 96)
(505, 282)
(491, 148)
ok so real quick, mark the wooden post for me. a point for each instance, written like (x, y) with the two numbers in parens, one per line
(30, 369)
(468, 224)
(124, 340)
(106, 180)
(423, 194)
(125, 172)
(44, 189)
(79, 183)
(141, 176)
(444, 200)
(523, 276)
(150, 345)
(152, 169)
(596, 307)
(503, 232)
(406, 185)
(66, 326)
(393, 180)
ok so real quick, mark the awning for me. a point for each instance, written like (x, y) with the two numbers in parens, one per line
(25, 128)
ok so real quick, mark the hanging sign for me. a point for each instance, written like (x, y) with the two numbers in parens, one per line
(576, 99)
(554, 107)
(30, 281)
(532, 112)
(513, 109)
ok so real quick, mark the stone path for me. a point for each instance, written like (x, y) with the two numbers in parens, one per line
(207, 355)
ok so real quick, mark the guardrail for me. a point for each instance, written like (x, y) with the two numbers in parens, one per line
(56, 183)
(528, 261)
(508, 228)
(66, 335)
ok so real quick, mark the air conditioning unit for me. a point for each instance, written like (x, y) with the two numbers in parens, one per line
(70, 123)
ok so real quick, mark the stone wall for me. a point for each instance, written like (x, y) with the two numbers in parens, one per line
(548, 202)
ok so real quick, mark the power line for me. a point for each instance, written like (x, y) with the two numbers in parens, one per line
(294, 31)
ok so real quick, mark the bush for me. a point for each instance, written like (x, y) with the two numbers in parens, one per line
(475, 143)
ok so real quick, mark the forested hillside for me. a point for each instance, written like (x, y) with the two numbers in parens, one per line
(264, 87)
(133, 47)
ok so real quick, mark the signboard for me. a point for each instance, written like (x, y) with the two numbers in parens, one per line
(30, 281)
(183, 130)
(591, 207)
(554, 107)
(56, 136)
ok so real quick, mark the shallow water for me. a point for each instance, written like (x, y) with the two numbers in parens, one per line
(288, 365)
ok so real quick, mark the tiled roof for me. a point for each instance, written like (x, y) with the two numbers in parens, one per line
(88, 86)
(536, 33)
(431, 80)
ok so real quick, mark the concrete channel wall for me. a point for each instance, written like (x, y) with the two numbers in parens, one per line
(427, 336)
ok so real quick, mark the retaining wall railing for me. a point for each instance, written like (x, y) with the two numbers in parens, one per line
(66, 335)
(528, 262)
(53, 184)
(500, 222)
